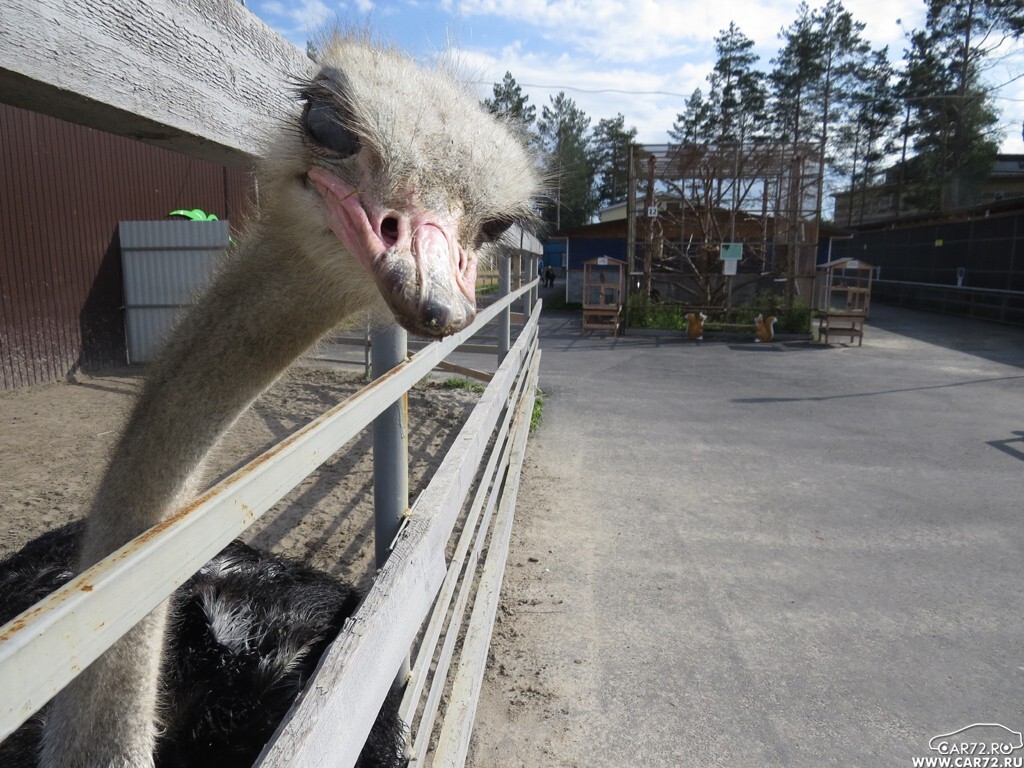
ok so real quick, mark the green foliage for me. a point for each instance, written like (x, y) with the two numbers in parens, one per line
(511, 104)
(610, 148)
(737, 96)
(463, 384)
(643, 313)
(693, 125)
(563, 129)
(734, 107)
(827, 87)
(953, 117)
(816, 78)
(538, 410)
(866, 138)
(796, 319)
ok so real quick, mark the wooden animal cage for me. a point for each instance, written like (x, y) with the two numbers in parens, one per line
(843, 298)
(604, 292)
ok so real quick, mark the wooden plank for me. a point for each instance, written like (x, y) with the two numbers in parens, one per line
(486, 491)
(453, 741)
(204, 78)
(472, 373)
(329, 722)
(486, 349)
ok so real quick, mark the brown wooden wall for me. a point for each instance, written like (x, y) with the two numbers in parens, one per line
(63, 189)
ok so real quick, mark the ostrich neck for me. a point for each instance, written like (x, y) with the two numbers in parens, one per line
(264, 309)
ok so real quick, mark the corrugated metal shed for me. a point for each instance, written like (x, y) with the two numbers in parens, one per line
(166, 264)
(63, 189)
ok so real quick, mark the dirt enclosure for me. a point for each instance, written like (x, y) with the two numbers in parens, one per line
(56, 440)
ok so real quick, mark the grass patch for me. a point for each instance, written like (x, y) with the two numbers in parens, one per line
(464, 384)
(483, 290)
(538, 410)
(641, 312)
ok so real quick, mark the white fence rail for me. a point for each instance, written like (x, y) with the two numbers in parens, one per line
(45, 647)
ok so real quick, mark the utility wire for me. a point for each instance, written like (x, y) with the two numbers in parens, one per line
(623, 92)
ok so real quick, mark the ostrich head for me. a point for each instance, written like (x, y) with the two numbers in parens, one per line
(402, 171)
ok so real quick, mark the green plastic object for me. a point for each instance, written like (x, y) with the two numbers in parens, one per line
(196, 214)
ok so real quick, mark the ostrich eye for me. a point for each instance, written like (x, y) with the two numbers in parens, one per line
(491, 231)
(323, 124)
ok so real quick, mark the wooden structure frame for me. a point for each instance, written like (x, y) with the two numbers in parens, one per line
(603, 298)
(843, 298)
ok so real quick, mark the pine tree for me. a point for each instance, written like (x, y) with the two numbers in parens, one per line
(952, 116)
(797, 70)
(693, 125)
(510, 103)
(737, 96)
(844, 58)
(610, 154)
(815, 80)
(563, 130)
(866, 136)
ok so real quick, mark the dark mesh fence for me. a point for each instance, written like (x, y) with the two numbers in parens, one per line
(972, 267)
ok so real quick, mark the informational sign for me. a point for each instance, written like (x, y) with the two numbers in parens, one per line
(732, 252)
(652, 212)
(602, 261)
(729, 266)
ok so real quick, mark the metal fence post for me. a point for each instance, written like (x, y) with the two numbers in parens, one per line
(537, 265)
(528, 297)
(505, 318)
(389, 347)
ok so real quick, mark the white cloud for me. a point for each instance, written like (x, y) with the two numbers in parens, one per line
(642, 47)
(649, 30)
(595, 90)
(300, 20)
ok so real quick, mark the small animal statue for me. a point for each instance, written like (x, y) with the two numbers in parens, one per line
(764, 328)
(695, 325)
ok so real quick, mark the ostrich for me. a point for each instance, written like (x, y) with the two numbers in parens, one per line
(377, 198)
(246, 633)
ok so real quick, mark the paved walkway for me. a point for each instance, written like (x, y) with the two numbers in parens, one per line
(764, 555)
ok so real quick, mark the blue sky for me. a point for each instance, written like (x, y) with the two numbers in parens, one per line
(641, 58)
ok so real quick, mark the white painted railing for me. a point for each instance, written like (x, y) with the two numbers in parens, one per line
(44, 648)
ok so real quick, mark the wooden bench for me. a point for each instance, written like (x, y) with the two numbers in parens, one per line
(842, 324)
(601, 317)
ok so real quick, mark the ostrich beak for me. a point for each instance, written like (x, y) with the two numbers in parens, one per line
(424, 274)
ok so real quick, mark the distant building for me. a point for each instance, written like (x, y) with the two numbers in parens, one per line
(879, 202)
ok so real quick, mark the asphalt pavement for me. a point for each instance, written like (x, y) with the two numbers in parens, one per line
(783, 554)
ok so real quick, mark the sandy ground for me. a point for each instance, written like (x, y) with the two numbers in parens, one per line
(55, 440)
